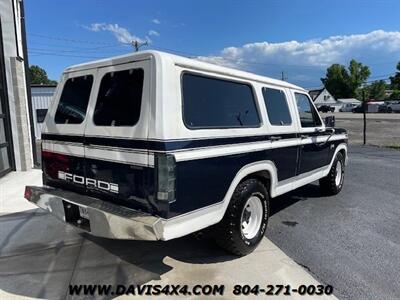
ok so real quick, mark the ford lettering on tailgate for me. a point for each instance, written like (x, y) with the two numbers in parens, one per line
(89, 182)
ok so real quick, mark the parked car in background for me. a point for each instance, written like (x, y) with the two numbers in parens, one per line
(326, 108)
(347, 107)
(382, 108)
(393, 106)
(358, 109)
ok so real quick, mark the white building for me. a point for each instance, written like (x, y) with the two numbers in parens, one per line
(16, 143)
(323, 97)
(353, 101)
(42, 96)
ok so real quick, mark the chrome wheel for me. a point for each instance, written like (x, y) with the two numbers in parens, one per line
(252, 215)
(339, 173)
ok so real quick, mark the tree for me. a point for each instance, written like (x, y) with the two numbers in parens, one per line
(345, 83)
(377, 90)
(336, 81)
(358, 75)
(395, 80)
(395, 95)
(39, 76)
(395, 84)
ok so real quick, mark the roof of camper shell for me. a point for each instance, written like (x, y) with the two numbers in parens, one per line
(180, 61)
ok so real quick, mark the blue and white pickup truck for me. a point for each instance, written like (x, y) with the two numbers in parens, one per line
(153, 146)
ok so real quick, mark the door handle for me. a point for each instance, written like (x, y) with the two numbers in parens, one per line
(275, 138)
(304, 136)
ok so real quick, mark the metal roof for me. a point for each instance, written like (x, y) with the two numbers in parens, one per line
(349, 100)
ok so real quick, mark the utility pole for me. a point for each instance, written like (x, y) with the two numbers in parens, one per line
(137, 45)
(364, 104)
(283, 78)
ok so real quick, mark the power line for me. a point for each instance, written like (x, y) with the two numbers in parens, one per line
(385, 77)
(136, 44)
(68, 40)
(56, 51)
(188, 54)
(73, 46)
(39, 53)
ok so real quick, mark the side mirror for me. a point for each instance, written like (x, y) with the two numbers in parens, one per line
(330, 121)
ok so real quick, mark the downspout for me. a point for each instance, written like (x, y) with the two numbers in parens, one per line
(28, 84)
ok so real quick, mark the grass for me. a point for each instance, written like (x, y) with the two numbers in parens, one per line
(396, 147)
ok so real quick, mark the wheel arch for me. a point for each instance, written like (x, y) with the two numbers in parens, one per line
(264, 176)
(265, 171)
(342, 148)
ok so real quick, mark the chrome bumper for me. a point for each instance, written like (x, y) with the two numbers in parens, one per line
(106, 219)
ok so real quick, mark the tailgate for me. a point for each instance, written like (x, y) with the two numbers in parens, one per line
(118, 166)
(95, 138)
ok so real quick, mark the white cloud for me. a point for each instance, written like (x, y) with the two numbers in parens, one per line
(156, 21)
(122, 34)
(311, 56)
(154, 33)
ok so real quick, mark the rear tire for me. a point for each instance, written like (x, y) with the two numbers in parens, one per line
(332, 184)
(245, 220)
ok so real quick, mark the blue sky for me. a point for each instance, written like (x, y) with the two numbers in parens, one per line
(299, 37)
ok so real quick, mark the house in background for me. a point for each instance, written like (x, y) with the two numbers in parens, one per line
(42, 96)
(17, 151)
(323, 97)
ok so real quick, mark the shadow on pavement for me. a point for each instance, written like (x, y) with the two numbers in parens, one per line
(301, 194)
(40, 256)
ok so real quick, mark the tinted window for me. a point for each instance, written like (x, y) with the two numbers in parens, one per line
(308, 115)
(41, 115)
(216, 103)
(277, 107)
(74, 100)
(119, 99)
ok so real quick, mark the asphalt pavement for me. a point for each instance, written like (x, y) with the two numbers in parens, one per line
(41, 256)
(351, 240)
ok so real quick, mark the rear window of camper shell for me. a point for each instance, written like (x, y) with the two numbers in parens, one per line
(74, 100)
(119, 99)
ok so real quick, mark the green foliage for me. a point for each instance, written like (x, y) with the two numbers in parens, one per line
(336, 81)
(395, 80)
(39, 76)
(345, 83)
(377, 89)
(395, 95)
(395, 84)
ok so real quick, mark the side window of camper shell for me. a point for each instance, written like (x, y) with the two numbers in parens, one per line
(277, 107)
(210, 102)
(74, 100)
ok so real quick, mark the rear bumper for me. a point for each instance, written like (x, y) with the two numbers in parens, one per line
(106, 219)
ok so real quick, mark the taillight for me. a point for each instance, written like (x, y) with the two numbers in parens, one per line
(54, 162)
(55, 156)
(165, 177)
(28, 193)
